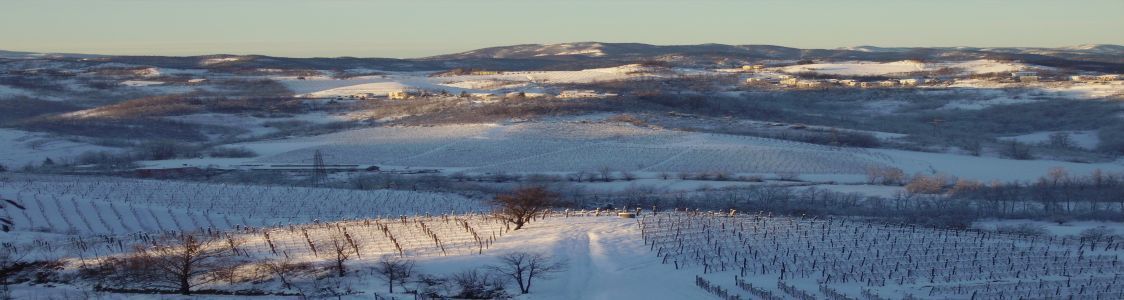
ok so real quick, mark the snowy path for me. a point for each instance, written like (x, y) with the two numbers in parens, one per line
(607, 260)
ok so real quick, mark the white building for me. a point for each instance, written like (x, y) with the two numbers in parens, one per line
(398, 95)
(571, 94)
(811, 84)
(1025, 76)
(1108, 77)
(911, 81)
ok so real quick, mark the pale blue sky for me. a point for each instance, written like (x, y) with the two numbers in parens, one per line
(421, 28)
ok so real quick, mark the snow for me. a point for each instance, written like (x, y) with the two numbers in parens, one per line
(568, 147)
(19, 148)
(1087, 139)
(136, 83)
(987, 168)
(865, 68)
(323, 86)
(1088, 90)
(962, 104)
(114, 206)
(213, 61)
(255, 125)
(607, 260)
(8, 91)
(1070, 228)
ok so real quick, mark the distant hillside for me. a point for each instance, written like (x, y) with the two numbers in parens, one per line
(584, 55)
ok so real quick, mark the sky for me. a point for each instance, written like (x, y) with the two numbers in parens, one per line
(419, 28)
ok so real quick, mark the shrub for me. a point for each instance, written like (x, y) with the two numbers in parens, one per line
(163, 150)
(474, 284)
(922, 184)
(1017, 150)
(105, 159)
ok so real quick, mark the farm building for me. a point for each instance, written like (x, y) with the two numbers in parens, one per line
(1108, 77)
(911, 81)
(811, 84)
(523, 95)
(789, 81)
(887, 83)
(849, 82)
(361, 96)
(868, 84)
(1025, 76)
(583, 94)
(753, 67)
(398, 95)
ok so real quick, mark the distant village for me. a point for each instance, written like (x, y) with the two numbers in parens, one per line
(763, 78)
(755, 76)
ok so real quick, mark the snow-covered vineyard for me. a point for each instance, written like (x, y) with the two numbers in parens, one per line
(109, 206)
(367, 240)
(757, 256)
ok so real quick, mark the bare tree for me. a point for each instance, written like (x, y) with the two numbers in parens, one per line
(284, 269)
(343, 247)
(394, 270)
(186, 261)
(520, 206)
(524, 267)
(606, 174)
(628, 176)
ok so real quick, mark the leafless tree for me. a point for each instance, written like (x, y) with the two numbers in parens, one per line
(284, 269)
(186, 261)
(343, 247)
(520, 206)
(394, 270)
(524, 267)
(606, 174)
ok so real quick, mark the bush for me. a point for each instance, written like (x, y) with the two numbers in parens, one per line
(163, 150)
(1017, 150)
(105, 159)
(3, 168)
(474, 284)
(231, 152)
(922, 184)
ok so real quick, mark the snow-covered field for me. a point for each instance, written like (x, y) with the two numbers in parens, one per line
(863, 68)
(380, 85)
(569, 147)
(591, 147)
(19, 148)
(1087, 139)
